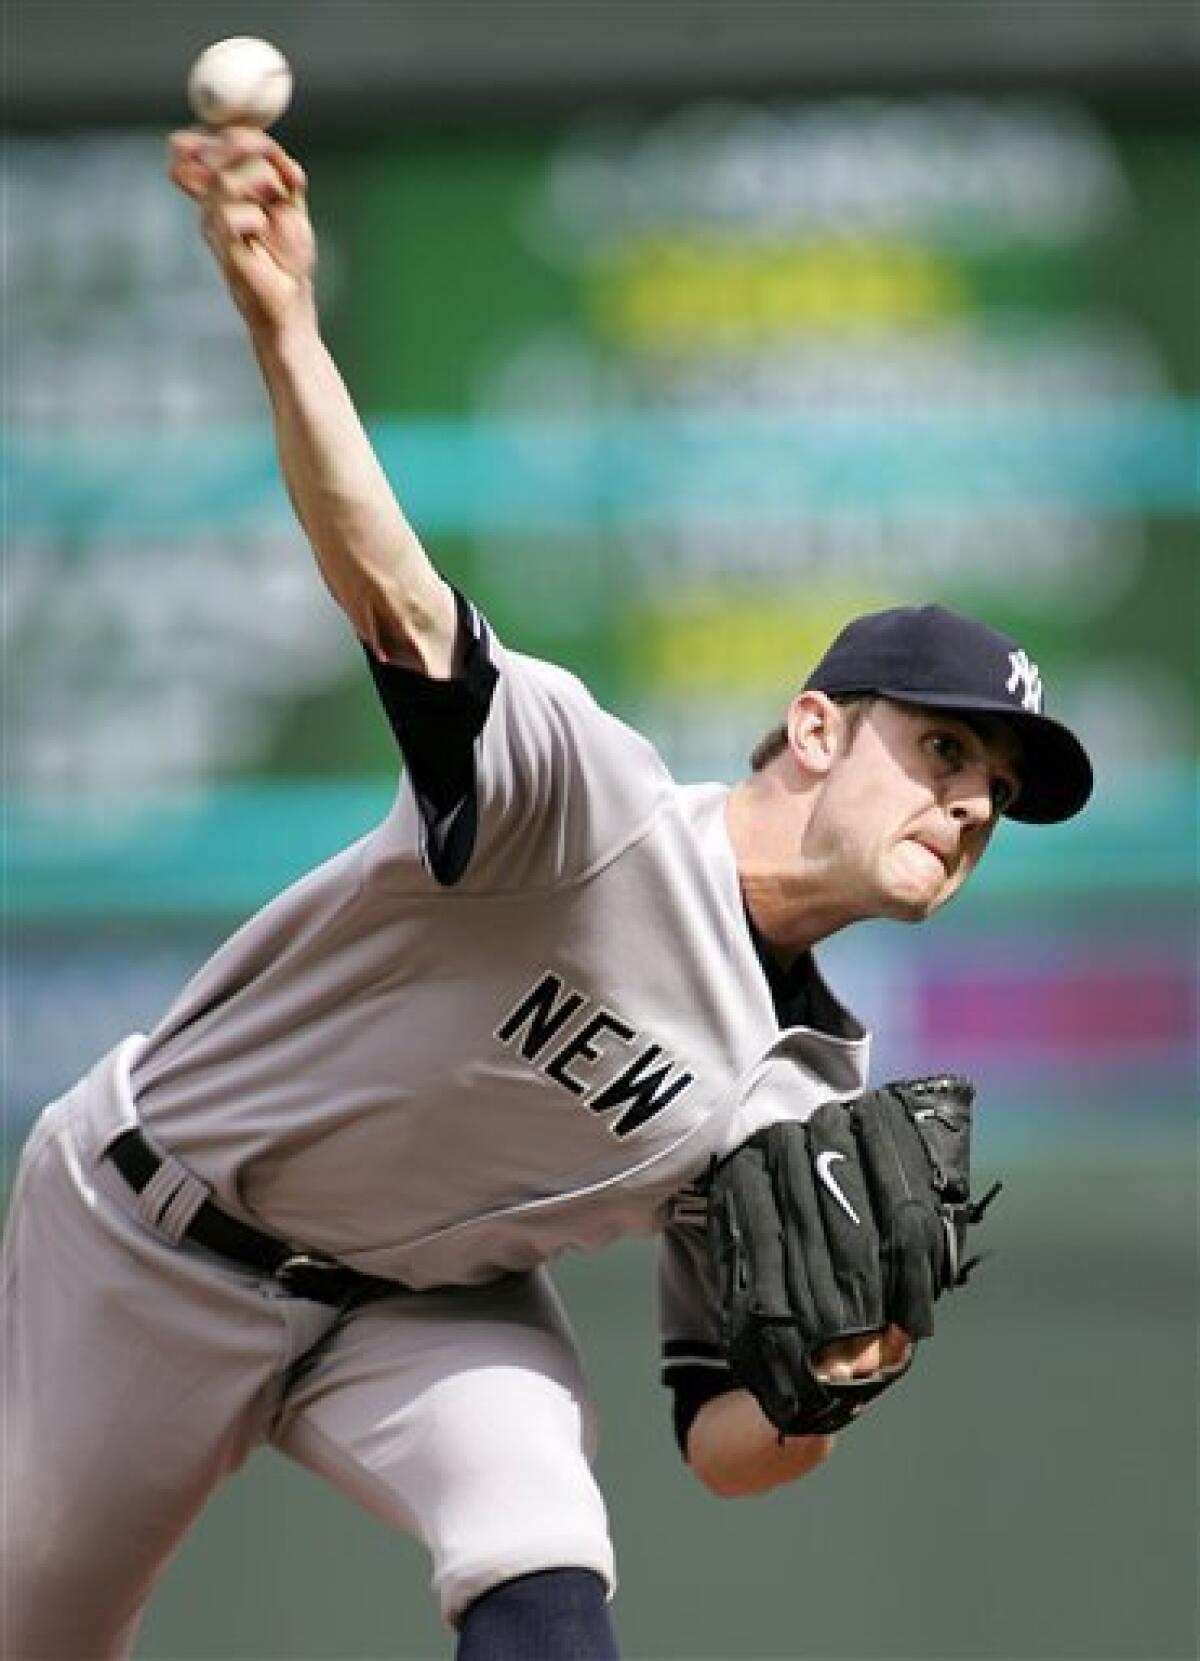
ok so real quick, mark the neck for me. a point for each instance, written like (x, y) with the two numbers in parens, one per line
(790, 917)
(793, 901)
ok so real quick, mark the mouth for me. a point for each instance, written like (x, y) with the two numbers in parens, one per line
(943, 856)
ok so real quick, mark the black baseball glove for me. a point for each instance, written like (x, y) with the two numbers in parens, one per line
(834, 1228)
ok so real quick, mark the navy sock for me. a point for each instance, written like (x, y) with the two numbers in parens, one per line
(556, 1615)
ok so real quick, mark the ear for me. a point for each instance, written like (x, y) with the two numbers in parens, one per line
(815, 727)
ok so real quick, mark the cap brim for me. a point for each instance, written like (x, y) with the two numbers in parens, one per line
(1056, 773)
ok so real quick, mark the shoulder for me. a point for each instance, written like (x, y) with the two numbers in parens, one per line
(539, 703)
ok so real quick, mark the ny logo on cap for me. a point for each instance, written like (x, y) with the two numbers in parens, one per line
(1025, 677)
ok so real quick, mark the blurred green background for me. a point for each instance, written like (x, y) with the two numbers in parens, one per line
(673, 378)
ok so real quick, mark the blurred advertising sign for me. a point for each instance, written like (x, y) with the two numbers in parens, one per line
(673, 393)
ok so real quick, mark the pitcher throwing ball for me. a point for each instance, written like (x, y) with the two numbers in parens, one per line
(554, 999)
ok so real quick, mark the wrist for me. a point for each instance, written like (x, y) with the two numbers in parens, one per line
(289, 337)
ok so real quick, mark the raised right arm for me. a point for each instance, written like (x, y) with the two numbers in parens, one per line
(255, 219)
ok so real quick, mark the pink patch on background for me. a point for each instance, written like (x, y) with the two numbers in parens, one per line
(1066, 1007)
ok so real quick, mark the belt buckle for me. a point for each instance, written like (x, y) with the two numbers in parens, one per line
(304, 1276)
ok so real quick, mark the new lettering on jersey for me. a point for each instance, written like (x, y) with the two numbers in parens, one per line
(547, 1012)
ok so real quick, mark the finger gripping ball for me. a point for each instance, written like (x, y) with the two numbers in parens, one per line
(240, 81)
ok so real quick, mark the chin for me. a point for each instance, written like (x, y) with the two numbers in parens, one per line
(912, 911)
(908, 904)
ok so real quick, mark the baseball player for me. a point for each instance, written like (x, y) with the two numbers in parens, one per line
(314, 1205)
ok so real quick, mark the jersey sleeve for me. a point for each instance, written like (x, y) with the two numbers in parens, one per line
(694, 1368)
(436, 724)
(520, 778)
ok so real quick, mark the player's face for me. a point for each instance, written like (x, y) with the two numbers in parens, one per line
(912, 801)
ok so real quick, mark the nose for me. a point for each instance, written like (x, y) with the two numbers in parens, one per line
(970, 799)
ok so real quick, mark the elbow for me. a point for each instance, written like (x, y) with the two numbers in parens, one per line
(377, 620)
(731, 1475)
(382, 639)
(725, 1484)
(735, 1451)
(417, 630)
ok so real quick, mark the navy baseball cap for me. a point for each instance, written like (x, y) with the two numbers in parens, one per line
(929, 656)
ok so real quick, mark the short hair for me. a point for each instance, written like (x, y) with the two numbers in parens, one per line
(775, 742)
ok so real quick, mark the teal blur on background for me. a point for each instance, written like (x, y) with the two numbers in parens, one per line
(672, 394)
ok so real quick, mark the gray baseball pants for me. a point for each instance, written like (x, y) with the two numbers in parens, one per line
(139, 1373)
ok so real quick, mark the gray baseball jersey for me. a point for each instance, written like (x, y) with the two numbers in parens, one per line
(495, 1028)
(520, 1016)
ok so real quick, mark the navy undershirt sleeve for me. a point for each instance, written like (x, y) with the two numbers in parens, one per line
(690, 1388)
(436, 723)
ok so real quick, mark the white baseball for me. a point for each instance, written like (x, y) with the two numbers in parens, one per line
(242, 80)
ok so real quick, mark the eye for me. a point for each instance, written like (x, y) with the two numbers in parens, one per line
(947, 747)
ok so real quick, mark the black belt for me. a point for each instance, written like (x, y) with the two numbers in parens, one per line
(300, 1274)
